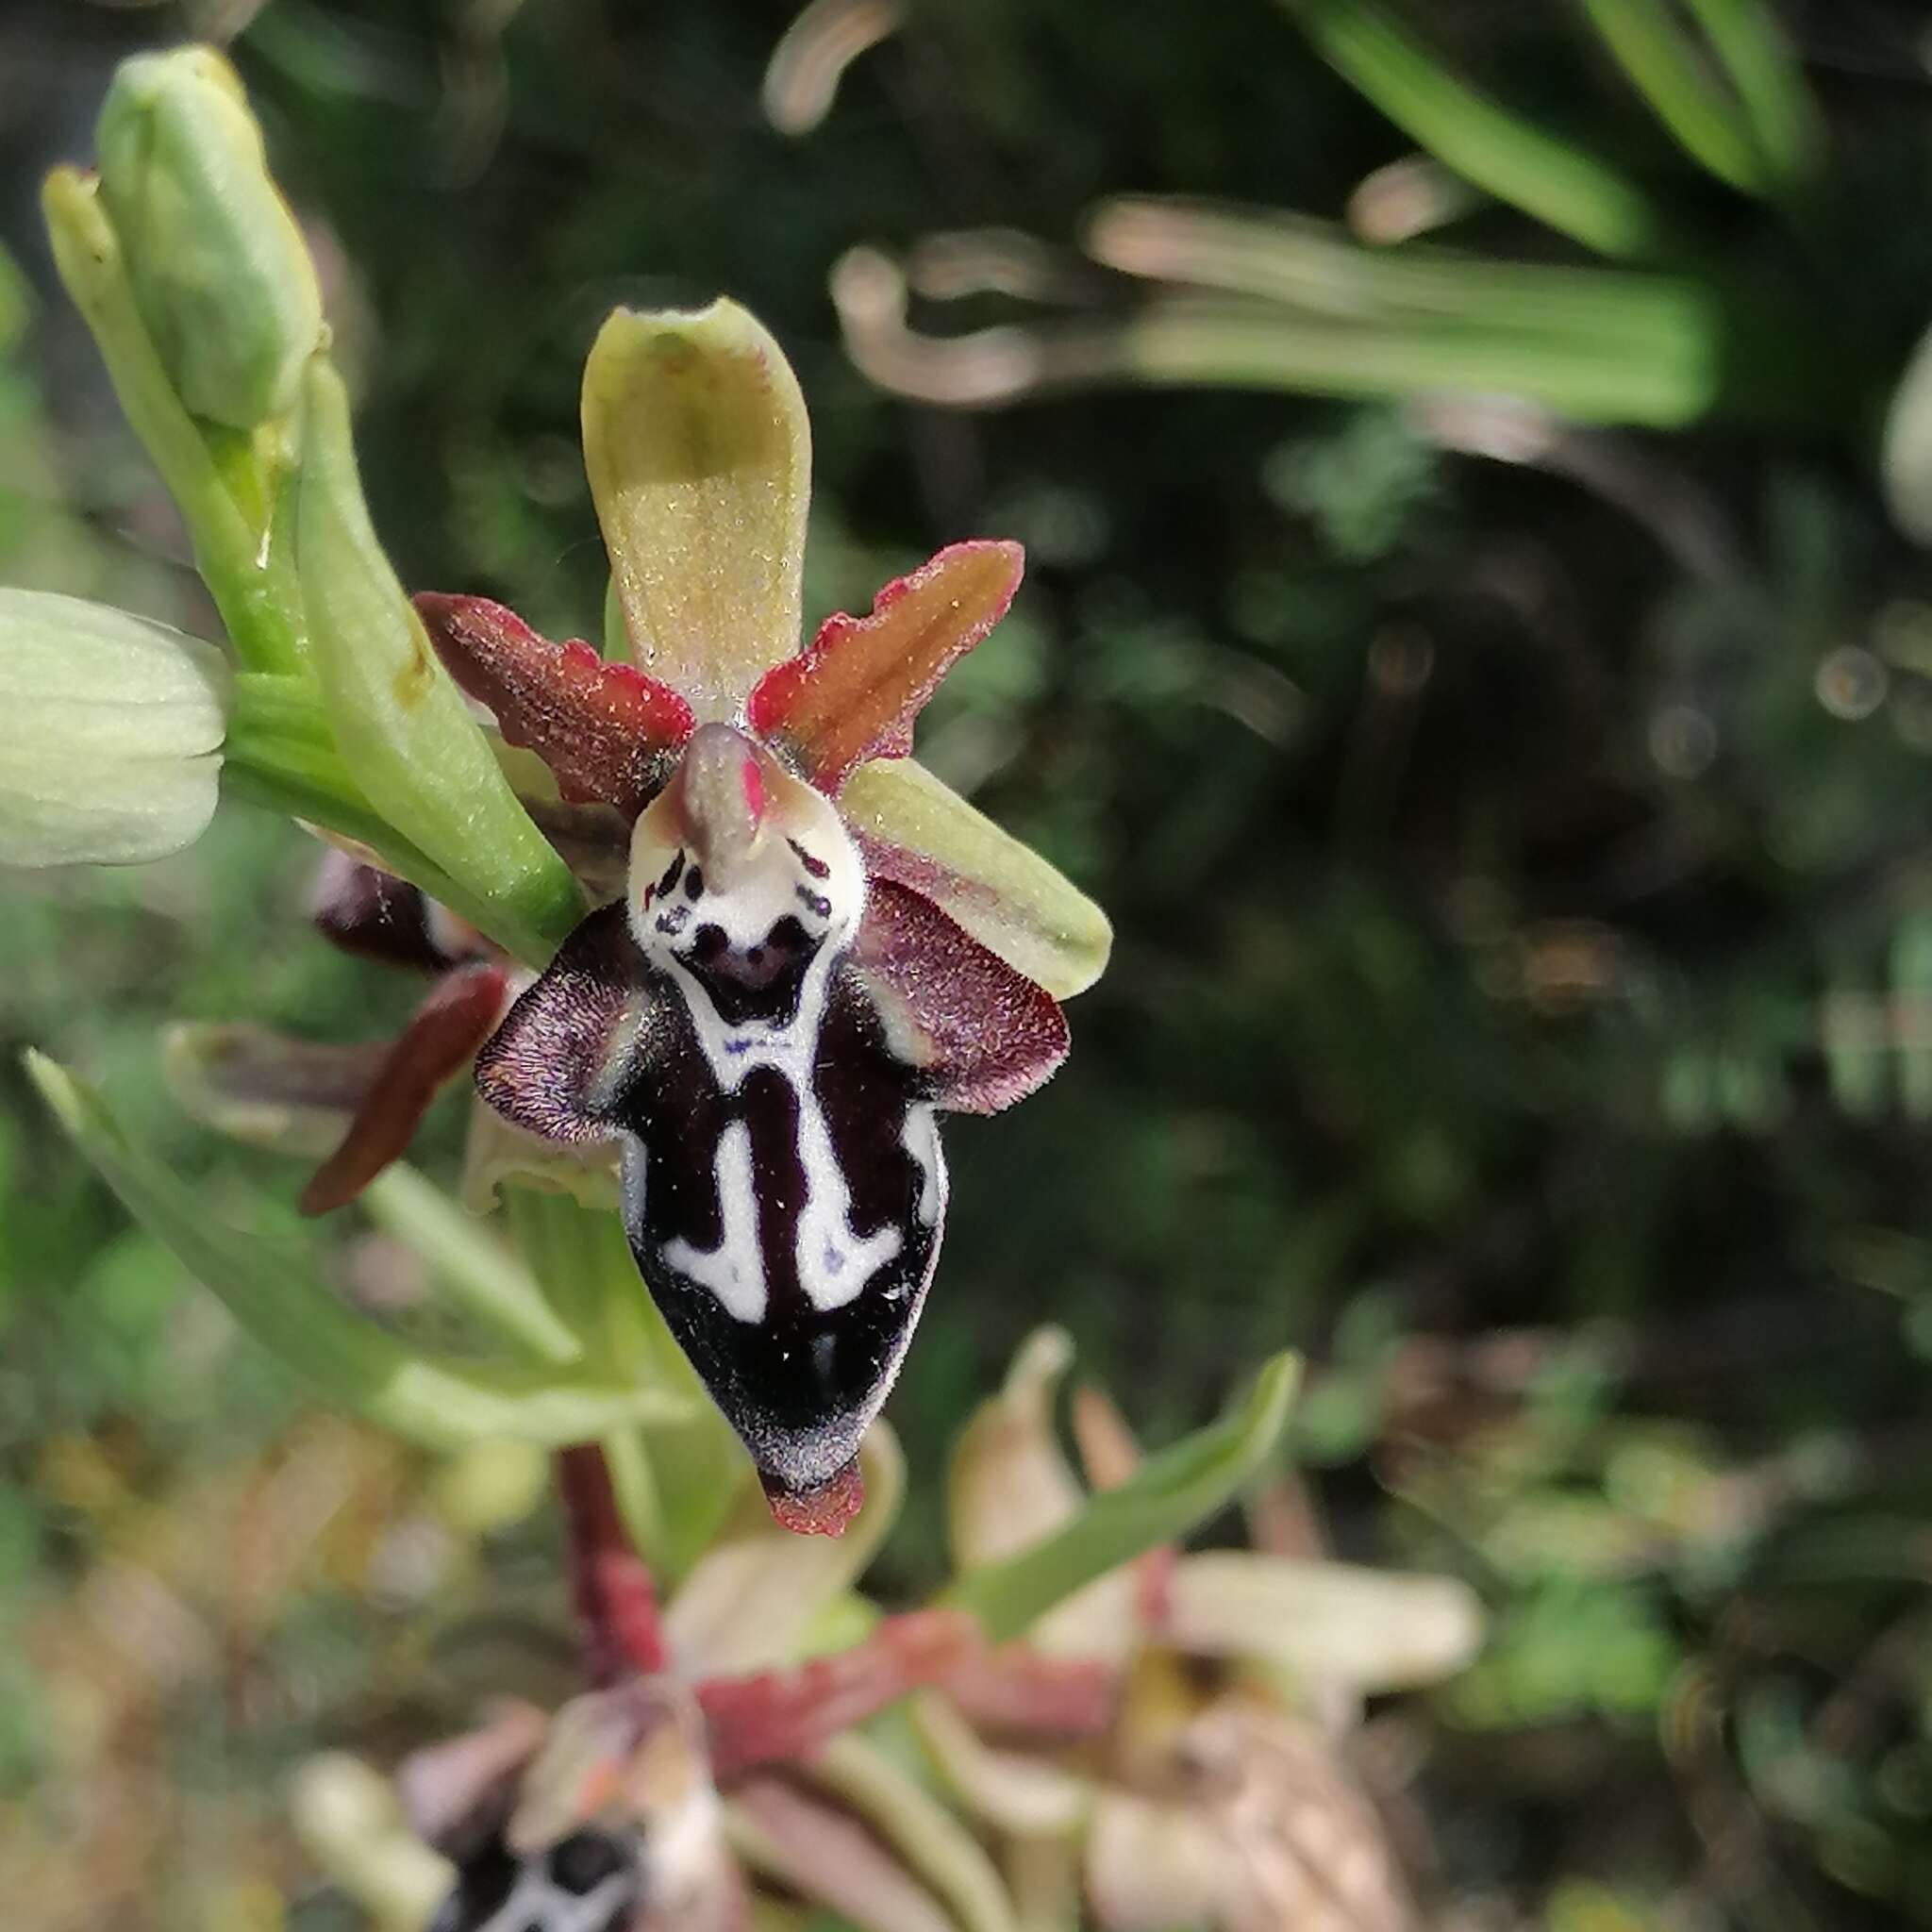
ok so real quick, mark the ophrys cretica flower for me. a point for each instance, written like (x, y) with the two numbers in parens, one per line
(816, 947)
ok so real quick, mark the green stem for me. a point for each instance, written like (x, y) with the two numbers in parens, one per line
(676, 1479)
(272, 1289)
(278, 753)
(628, 1455)
(393, 710)
(548, 1232)
(567, 1248)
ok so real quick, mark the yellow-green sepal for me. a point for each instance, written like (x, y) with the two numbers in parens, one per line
(917, 829)
(699, 456)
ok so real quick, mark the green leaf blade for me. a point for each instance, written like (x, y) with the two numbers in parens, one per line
(273, 1294)
(1167, 1497)
(1558, 183)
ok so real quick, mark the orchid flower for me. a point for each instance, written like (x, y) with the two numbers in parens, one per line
(816, 947)
(710, 1761)
(607, 1813)
(1101, 1729)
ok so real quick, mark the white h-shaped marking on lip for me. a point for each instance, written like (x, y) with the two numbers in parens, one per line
(920, 1138)
(833, 1263)
(734, 1271)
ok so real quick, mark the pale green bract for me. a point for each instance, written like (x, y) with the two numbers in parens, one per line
(110, 733)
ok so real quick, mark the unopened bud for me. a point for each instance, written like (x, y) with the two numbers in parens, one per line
(110, 733)
(221, 274)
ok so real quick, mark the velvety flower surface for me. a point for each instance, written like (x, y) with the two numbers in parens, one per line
(766, 1023)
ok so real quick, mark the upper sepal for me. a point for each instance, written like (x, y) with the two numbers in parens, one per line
(853, 692)
(699, 458)
(610, 734)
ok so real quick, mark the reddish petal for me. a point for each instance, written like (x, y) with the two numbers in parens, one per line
(779, 1715)
(444, 1032)
(1018, 1689)
(982, 1035)
(853, 692)
(609, 733)
(616, 1603)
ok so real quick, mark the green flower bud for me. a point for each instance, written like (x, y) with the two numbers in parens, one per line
(110, 733)
(221, 275)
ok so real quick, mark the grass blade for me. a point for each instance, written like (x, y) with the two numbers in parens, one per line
(1516, 161)
(271, 1289)
(1672, 75)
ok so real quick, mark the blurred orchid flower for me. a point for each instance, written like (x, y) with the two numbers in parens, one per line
(1187, 1769)
(703, 1760)
(732, 1761)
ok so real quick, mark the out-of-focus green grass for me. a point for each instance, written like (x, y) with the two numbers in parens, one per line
(1521, 872)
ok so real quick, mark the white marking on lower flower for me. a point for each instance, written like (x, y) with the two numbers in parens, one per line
(734, 1271)
(537, 1900)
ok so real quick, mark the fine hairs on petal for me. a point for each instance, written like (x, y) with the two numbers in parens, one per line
(853, 691)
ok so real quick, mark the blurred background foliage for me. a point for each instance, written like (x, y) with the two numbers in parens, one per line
(1516, 827)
